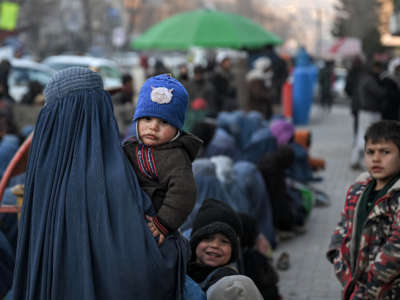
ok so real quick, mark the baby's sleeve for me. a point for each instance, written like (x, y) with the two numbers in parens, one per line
(180, 197)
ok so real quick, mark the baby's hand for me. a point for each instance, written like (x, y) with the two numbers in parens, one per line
(154, 230)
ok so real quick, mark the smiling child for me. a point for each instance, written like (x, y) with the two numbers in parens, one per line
(214, 242)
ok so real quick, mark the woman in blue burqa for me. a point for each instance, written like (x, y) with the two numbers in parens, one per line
(83, 233)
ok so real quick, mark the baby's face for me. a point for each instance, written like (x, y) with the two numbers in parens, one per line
(216, 250)
(154, 131)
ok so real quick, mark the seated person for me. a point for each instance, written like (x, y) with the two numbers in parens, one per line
(257, 265)
(214, 242)
(303, 138)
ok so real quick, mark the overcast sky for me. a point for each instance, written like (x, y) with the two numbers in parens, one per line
(327, 4)
(303, 9)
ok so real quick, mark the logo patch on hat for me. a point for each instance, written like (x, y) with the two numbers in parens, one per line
(161, 95)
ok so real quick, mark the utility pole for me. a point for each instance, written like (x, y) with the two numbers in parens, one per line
(318, 24)
(131, 7)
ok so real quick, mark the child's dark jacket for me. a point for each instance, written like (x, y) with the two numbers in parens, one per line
(165, 174)
(376, 273)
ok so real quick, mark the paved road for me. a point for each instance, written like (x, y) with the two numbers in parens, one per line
(310, 276)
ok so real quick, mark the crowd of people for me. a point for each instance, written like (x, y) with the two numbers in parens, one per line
(201, 193)
(373, 88)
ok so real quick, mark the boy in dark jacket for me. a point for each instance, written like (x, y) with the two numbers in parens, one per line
(364, 246)
(162, 154)
(214, 242)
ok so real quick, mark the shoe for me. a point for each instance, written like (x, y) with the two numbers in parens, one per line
(322, 199)
(283, 263)
(300, 229)
(284, 235)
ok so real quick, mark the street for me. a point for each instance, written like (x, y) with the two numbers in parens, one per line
(310, 276)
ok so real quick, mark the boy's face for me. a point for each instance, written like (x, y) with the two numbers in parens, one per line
(383, 161)
(154, 131)
(216, 250)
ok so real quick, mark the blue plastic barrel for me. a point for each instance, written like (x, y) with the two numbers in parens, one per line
(304, 79)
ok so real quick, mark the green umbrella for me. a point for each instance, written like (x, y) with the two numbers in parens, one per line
(205, 28)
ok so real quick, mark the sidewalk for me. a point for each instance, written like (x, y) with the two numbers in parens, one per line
(310, 276)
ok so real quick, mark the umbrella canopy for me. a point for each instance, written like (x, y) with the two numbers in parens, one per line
(205, 28)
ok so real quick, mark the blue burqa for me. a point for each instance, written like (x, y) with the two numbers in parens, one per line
(82, 233)
(6, 265)
(249, 178)
(208, 186)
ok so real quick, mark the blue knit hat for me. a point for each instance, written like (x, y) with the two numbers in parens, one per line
(164, 97)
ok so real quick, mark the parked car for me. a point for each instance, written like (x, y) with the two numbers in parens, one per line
(126, 61)
(107, 68)
(22, 72)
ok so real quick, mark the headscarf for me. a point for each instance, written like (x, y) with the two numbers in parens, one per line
(222, 144)
(262, 141)
(208, 186)
(250, 180)
(235, 287)
(83, 234)
(225, 175)
(283, 130)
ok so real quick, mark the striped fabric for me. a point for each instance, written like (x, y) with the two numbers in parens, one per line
(145, 157)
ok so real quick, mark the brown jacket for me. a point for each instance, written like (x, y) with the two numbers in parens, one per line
(165, 174)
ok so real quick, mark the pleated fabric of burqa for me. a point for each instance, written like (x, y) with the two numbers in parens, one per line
(82, 233)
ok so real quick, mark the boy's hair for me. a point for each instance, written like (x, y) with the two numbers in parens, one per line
(386, 130)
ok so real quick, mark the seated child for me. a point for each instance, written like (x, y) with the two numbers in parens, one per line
(214, 242)
(162, 154)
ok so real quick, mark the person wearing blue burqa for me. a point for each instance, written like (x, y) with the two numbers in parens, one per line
(83, 233)
(249, 179)
(208, 186)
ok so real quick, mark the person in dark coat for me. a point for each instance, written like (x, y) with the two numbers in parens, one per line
(224, 83)
(272, 167)
(183, 74)
(162, 154)
(391, 82)
(279, 67)
(34, 95)
(83, 232)
(199, 87)
(351, 89)
(325, 80)
(214, 242)
(5, 69)
(260, 96)
(372, 95)
(126, 94)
